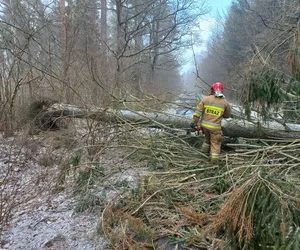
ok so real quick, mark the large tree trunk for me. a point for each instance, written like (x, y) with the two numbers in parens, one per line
(103, 28)
(64, 44)
(231, 127)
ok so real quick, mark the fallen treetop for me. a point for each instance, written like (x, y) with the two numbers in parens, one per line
(231, 127)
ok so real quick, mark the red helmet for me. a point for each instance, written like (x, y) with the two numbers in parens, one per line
(217, 89)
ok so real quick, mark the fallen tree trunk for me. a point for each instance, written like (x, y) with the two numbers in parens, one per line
(231, 127)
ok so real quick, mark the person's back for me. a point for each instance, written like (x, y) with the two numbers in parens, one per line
(213, 109)
(209, 113)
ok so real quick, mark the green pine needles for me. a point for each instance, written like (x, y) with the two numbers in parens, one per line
(270, 90)
(266, 86)
(263, 213)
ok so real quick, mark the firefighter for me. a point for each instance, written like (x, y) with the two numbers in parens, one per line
(208, 116)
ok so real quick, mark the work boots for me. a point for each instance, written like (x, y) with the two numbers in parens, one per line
(215, 161)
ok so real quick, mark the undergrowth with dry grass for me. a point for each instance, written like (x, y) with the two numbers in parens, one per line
(27, 167)
(249, 201)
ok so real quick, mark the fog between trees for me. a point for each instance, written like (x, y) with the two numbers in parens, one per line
(91, 52)
(254, 36)
(107, 53)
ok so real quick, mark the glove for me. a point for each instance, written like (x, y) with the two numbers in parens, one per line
(193, 125)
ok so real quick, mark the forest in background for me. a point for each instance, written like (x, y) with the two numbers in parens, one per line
(255, 42)
(256, 36)
(92, 52)
(102, 56)
(107, 53)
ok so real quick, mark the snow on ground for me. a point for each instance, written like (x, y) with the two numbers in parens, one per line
(54, 225)
(40, 217)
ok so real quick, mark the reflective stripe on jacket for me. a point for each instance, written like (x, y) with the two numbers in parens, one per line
(211, 110)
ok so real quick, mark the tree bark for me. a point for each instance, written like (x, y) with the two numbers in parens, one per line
(64, 43)
(103, 28)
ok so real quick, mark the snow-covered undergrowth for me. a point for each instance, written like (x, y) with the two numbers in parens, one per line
(53, 189)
